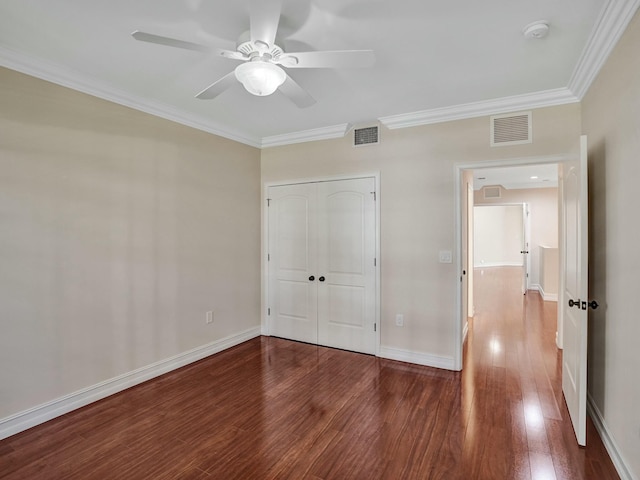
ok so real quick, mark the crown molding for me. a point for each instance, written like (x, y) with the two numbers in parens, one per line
(547, 98)
(611, 24)
(325, 133)
(44, 70)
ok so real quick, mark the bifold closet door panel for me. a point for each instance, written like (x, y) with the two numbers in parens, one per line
(346, 253)
(293, 261)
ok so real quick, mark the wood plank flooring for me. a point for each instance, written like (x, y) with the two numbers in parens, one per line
(275, 409)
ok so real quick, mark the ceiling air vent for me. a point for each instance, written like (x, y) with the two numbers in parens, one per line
(511, 129)
(492, 192)
(366, 136)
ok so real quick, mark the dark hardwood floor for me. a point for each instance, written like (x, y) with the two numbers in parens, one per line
(271, 408)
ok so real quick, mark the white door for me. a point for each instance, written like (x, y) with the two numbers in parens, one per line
(574, 298)
(468, 268)
(322, 240)
(525, 248)
(292, 263)
(346, 269)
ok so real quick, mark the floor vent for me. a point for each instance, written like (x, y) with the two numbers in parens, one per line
(366, 136)
(511, 129)
(492, 192)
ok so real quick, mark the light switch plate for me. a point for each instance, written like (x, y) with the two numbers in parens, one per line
(445, 256)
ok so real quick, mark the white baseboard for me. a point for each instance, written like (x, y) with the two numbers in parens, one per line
(42, 413)
(417, 357)
(547, 297)
(608, 441)
(465, 331)
(498, 264)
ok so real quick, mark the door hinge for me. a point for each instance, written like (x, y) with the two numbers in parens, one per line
(375, 327)
(375, 262)
(374, 196)
(268, 311)
(268, 202)
(268, 257)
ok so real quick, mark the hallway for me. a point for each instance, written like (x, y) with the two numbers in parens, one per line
(512, 389)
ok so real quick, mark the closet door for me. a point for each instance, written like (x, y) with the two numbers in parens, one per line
(292, 265)
(346, 269)
(322, 240)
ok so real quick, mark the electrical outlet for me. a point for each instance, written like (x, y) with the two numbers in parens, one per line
(399, 320)
(209, 317)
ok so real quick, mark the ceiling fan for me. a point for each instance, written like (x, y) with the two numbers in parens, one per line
(261, 71)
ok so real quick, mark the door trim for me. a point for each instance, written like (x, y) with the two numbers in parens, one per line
(458, 214)
(264, 317)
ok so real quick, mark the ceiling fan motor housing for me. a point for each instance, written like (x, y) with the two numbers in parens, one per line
(245, 46)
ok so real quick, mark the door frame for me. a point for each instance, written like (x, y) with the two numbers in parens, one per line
(264, 317)
(460, 326)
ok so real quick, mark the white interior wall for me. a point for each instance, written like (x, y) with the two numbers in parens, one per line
(543, 220)
(498, 236)
(418, 215)
(118, 231)
(611, 121)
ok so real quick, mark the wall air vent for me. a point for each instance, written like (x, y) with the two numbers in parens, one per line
(492, 192)
(511, 129)
(366, 136)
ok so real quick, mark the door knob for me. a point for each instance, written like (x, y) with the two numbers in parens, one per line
(573, 303)
(321, 279)
(524, 251)
(312, 278)
(593, 304)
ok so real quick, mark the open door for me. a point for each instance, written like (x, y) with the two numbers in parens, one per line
(526, 259)
(469, 247)
(574, 295)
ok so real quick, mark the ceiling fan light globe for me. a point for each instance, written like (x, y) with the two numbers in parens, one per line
(260, 78)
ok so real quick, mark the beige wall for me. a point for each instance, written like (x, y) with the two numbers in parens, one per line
(611, 119)
(498, 235)
(543, 220)
(549, 271)
(416, 168)
(118, 231)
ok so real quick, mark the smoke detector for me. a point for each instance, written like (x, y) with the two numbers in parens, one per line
(538, 29)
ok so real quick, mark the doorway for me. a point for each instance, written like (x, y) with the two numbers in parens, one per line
(467, 182)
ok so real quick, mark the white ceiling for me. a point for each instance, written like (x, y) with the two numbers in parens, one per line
(517, 177)
(440, 59)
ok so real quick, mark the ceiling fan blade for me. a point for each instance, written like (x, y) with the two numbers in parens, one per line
(329, 59)
(296, 93)
(218, 87)
(171, 42)
(231, 54)
(264, 19)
